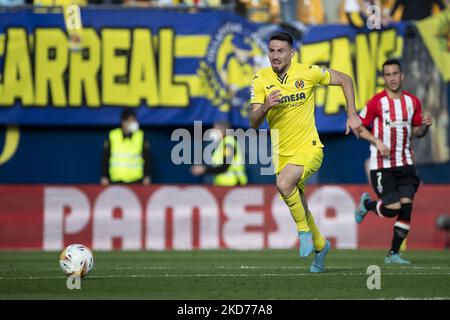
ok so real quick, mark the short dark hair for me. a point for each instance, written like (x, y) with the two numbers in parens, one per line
(126, 113)
(390, 62)
(283, 36)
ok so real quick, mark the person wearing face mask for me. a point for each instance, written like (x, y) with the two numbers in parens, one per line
(227, 163)
(126, 154)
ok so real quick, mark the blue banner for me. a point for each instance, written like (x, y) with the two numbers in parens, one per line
(172, 67)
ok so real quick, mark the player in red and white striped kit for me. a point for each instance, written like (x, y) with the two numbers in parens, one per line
(395, 116)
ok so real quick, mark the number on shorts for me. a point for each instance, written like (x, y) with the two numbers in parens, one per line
(379, 185)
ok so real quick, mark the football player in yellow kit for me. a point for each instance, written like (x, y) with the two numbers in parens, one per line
(284, 94)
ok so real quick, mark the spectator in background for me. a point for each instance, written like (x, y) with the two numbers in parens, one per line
(259, 11)
(126, 155)
(141, 3)
(417, 9)
(227, 161)
(310, 11)
(106, 2)
(304, 11)
(11, 3)
(59, 3)
(356, 13)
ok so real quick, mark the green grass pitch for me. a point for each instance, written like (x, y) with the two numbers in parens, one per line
(225, 274)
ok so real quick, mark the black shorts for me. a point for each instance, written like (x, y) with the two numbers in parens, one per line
(391, 184)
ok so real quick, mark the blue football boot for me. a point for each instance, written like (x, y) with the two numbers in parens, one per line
(361, 211)
(395, 259)
(318, 264)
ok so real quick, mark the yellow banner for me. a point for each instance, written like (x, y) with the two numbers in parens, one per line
(435, 32)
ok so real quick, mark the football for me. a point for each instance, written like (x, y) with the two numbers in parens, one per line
(76, 259)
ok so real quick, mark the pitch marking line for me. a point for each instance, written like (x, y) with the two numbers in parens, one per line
(284, 267)
(227, 275)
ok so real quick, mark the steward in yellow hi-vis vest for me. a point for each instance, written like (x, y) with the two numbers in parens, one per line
(126, 153)
(228, 149)
(227, 161)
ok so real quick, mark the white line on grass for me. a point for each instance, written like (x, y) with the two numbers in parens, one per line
(200, 275)
(335, 267)
(143, 268)
(331, 267)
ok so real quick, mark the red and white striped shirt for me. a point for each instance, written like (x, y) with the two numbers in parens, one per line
(392, 121)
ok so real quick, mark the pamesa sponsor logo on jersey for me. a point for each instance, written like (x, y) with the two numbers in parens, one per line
(293, 97)
(291, 100)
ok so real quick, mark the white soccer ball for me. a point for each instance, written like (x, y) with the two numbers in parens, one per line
(76, 259)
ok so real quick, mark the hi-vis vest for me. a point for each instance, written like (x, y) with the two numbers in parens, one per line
(126, 163)
(235, 174)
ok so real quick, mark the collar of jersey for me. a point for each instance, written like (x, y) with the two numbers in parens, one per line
(286, 75)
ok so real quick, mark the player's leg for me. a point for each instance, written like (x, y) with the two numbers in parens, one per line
(287, 181)
(408, 183)
(318, 238)
(401, 227)
(321, 245)
(384, 185)
(401, 230)
(405, 217)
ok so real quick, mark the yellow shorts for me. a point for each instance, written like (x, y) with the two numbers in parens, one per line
(311, 160)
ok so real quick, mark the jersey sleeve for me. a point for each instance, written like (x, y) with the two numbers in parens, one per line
(368, 113)
(257, 94)
(417, 117)
(320, 75)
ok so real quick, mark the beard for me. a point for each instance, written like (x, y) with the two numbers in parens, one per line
(278, 69)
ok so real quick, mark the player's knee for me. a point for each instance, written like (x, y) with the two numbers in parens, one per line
(393, 206)
(390, 210)
(405, 201)
(284, 186)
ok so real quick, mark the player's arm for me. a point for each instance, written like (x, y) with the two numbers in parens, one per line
(367, 115)
(378, 143)
(257, 115)
(259, 111)
(422, 130)
(346, 83)
(228, 155)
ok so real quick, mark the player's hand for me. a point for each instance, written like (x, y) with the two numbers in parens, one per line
(355, 124)
(427, 120)
(272, 99)
(382, 148)
(198, 170)
(104, 181)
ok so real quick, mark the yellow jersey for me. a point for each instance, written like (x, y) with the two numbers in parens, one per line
(293, 117)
